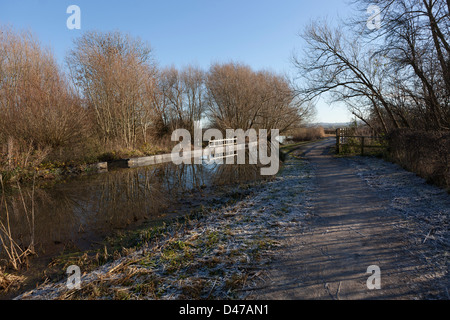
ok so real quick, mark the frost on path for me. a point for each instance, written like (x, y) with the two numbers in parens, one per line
(425, 207)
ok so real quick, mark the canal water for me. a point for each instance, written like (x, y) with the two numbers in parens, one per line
(82, 211)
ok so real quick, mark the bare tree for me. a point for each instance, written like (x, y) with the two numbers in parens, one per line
(414, 38)
(231, 88)
(239, 97)
(114, 73)
(181, 98)
(193, 80)
(397, 76)
(37, 105)
(339, 66)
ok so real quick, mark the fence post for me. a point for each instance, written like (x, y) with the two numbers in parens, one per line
(338, 138)
(362, 146)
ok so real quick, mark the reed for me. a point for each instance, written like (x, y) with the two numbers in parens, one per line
(16, 255)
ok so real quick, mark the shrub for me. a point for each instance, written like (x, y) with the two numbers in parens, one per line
(426, 153)
(39, 110)
(308, 134)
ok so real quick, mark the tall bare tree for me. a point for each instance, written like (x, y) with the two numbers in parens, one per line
(415, 39)
(338, 65)
(37, 105)
(115, 75)
(240, 98)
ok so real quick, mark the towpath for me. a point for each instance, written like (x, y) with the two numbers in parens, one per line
(354, 227)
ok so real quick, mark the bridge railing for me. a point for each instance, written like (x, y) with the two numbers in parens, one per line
(223, 148)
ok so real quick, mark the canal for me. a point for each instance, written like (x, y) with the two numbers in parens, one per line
(79, 213)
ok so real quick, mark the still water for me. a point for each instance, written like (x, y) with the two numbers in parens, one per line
(82, 211)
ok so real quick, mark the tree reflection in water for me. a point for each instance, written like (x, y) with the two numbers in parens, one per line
(86, 209)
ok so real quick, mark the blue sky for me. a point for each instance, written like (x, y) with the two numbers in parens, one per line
(262, 34)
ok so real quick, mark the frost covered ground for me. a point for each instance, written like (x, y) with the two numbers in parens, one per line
(224, 253)
(221, 255)
(425, 207)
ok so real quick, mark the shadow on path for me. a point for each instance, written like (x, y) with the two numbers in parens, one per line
(328, 256)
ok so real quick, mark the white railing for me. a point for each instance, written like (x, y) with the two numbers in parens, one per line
(221, 149)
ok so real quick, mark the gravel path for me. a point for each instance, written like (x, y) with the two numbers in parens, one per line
(368, 212)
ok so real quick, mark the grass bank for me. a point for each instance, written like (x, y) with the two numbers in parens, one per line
(215, 252)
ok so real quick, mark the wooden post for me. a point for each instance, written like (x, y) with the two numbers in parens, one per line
(338, 138)
(362, 146)
(10, 150)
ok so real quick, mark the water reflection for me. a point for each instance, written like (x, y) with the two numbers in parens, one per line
(83, 210)
(233, 173)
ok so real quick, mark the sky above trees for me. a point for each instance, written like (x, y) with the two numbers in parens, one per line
(261, 34)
